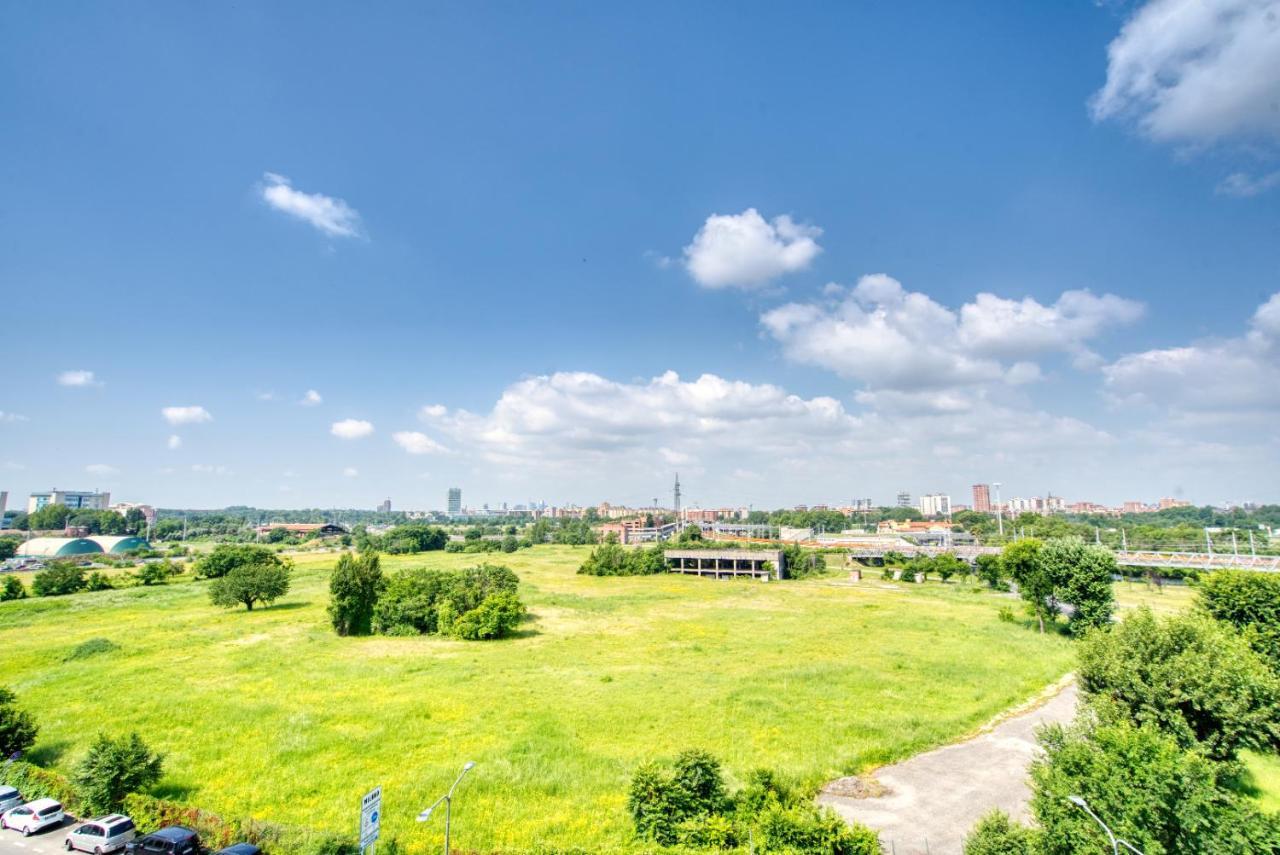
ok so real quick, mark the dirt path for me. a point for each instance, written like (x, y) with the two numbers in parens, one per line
(933, 799)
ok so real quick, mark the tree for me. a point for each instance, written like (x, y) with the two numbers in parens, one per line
(496, 617)
(1082, 576)
(1150, 790)
(17, 728)
(354, 588)
(1195, 678)
(249, 584)
(113, 769)
(947, 565)
(1249, 601)
(12, 589)
(135, 521)
(228, 556)
(8, 547)
(662, 797)
(1025, 565)
(156, 572)
(996, 834)
(510, 543)
(58, 579)
(991, 570)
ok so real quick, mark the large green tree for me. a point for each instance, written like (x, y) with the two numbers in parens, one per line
(113, 769)
(17, 728)
(354, 588)
(228, 556)
(1023, 562)
(1250, 601)
(1083, 576)
(249, 585)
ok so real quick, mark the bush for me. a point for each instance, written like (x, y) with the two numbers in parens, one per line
(17, 728)
(12, 589)
(354, 588)
(1195, 678)
(112, 769)
(98, 581)
(8, 547)
(58, 579)
(496, 617)
(228, 556)
(437, 601)
(92, 647)
(407, 539)
(1082, 576)
(806, 828)
(611, 559)
(156, 572)
(249, 584)
(215, 832)
(996, 834)
(947, 565)
(991, 571)
(662, 797)
(1250, 601)
(801, 563)
(36, 783)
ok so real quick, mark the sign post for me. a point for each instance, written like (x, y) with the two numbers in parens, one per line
(370, 818)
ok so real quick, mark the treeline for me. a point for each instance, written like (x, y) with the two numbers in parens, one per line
(1167, 707)
(55, 517)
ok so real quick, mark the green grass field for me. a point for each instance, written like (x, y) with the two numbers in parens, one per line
(270, 714)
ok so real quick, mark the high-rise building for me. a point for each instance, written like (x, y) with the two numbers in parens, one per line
(935, 505)
(94, 501)
(904, 500)
(982, 498)
(4, 500)
(384, 507)
(455, 501)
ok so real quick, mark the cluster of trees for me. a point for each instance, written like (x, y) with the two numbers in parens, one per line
(943, 566)
(403, 539)
(1051, 573)
(52, 517)
(473, 604)
(1168, 705)
(244, 575)
(612, 559)
(60, 578)
(685, 803)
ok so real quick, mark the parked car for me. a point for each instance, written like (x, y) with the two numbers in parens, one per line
(240, 849)
(173, 840)
(105, 834)
(9, 798)
(33, 816)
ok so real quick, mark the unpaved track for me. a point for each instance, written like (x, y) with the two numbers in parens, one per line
(933, 799)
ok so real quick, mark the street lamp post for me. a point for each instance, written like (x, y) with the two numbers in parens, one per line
(447, 798)
(999, 517)
(1116, 842)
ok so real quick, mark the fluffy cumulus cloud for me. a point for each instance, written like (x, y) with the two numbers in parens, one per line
(332, 216)
(351, 429)
(416, 442)
(892, 339)
(746, 250)
(1242, 185)
(76, 378)
(1196, 71)
(311, 399)
(186, 415)
(1216, 381)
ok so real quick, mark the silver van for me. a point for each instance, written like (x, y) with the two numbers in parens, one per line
(102, 835)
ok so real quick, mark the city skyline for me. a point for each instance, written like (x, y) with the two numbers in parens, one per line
(1021, 249)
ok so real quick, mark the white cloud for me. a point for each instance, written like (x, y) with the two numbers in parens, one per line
(332, 216)
(890, 338)
(102, 470)
(77, 378)
(415, 442)
(174, 442)
(351, 472)
(186, 415)
(432, 411)
(209, 469)
(265, 396)
(311, 399)
(1242, 185)
(351, 429)
(10, 418)
(1196, 71)
(746, 251)
(1208, 382)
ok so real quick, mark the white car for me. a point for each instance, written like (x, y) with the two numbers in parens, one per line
(9, 798)
(105, 834)
(33, 816)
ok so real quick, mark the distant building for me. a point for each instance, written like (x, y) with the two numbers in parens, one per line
(4, 500)
(76, 500)
(320, 529)
(385, 507)
(982, 498)
(860, 505)
(148, 512)
(455, 501)
(904, 500)
(1165, 503)
(935, 505)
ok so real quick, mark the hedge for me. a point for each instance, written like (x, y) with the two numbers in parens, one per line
(150, 813)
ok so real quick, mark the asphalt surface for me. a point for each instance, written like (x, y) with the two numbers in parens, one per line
(47, 842)
(931, 801)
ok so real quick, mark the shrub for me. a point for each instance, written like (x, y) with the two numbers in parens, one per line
(92, 647)
(806, 828)
(662, 797)
(801, 563)
(996, 834)
(249, 584)
(406, 539)
(8, 547)
(436, 601)
(215, 832)
(611, 559)
(354, 588)
(496, 617)
(156, 572)
(112, 769)
(1249, 601)
(36, 783)
(1195, 678)
(98, 581)
(228, 556)
(947, 565)
(17, 728)
(58, 579)
(12, 589)
(991, 571)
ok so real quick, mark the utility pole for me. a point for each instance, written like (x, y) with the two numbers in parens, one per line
(1208, 540)
(999, 516)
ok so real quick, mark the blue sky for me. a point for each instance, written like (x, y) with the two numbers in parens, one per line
(512, 237)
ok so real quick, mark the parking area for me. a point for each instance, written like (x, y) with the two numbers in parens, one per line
(47, 842)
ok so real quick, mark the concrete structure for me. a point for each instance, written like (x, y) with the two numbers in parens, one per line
(904, 500)
(935, 505)
(727, 563)
(4, 501)
(77, 500)
(119, 544)
(635, 531)
(57, 547)
(454, 507)
(322, 529)
(792, 533)
(982, 498)
(385, 507)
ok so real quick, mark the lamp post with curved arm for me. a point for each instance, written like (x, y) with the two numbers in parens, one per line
(1116, 842)
(447, 798)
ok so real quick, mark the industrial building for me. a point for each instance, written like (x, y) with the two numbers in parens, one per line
(69, 547)
(727, 563)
